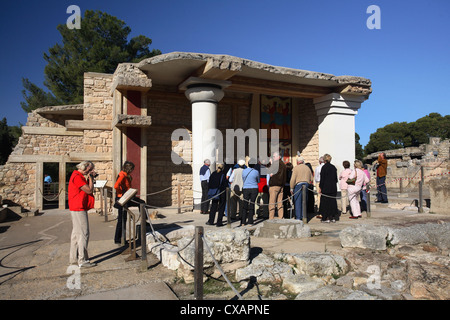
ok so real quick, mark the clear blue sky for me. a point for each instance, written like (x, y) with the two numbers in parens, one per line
(407, 59)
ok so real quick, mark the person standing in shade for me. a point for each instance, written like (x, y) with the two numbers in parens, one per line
(301, 178)
(123, 183)
(381, 178)
(250, 191)
(81, 200)
(217, 185)
(343, 176)
(355, 189)
(328, 189)
(205, 173)
(236, 190)
(277, 181)
(317, 182)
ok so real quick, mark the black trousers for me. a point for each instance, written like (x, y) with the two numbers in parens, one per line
(205, 205)
(217, 205)
(248, 209)
(122, 217)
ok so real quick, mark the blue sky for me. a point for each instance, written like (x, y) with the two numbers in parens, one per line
(408, 59)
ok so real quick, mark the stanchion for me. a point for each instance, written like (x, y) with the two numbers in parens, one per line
(304, 204)
(228, 207)
(421, 190)
(198, 264)
(144, 263)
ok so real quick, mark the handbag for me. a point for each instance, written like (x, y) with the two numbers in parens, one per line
(352, 181)
(213, 193)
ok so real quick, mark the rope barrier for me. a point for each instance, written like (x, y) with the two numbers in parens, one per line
(220, 269)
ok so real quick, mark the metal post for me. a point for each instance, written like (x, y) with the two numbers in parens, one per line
(105, 199)
(304, 204)
(123, 240)
(421, 190)
(179, 196)
(198, 264)
(144, 264)
(228, 208)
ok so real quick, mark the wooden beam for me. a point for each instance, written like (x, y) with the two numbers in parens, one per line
(276, 88)
(217, 70)
(49, 131)
(88, 125)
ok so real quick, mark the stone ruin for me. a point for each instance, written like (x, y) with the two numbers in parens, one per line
(375, 262)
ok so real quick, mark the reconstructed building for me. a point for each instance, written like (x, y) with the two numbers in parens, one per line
(138, 113)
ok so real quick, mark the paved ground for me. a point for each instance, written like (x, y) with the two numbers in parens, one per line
(34, 254)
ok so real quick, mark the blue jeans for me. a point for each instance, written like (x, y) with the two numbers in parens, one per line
(298, 198)
(381, 188)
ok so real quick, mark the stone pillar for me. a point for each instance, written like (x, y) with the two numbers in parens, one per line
(336, 115)
(204, 95)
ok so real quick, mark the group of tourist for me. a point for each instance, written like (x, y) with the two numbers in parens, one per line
(251, 190)
(281, 190)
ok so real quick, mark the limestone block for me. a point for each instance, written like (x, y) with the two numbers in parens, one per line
(320, 264)
(299, 283)
(264, 269)
(283, 229)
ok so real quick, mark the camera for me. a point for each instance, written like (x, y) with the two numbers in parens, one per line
(94, 175)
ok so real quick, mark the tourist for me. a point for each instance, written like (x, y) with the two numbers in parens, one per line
(328, 190)
(262, 201)
(236, 190)
(355, 188)
(365, 190)
(216, 192)
(343, 176)
(310, 206)
(205, 172)
(276, 184)
(317, 182)
(381, 178)
(287, 192)
(81, 200)
(250, 192)
(300, 180)
(123, 183)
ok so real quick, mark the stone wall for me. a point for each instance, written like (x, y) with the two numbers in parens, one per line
(308, 132)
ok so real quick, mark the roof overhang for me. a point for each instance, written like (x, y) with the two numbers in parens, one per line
(174, 68)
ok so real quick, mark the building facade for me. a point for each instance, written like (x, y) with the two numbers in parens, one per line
(170, 112)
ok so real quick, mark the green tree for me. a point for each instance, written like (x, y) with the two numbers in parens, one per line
(359, 152)
(6, 141)
(403, 134)
(98, 46)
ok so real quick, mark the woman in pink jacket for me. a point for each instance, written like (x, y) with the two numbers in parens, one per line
(353, 190)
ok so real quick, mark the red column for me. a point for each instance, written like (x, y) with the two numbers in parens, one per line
(134, 138)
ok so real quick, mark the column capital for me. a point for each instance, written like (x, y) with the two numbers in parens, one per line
(335, 103)
(204, 90)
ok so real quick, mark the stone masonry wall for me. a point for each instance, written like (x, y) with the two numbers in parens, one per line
(308, 132)
(18, 179)
(168, 115)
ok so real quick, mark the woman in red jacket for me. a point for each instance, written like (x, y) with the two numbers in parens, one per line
(123, 183)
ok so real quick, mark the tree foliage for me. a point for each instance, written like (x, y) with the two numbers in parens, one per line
(403, 134)
(8, 139)
(98, 46)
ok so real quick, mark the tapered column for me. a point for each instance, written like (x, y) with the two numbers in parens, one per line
(204, 95)
(336, 115)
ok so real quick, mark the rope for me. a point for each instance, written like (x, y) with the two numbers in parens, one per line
(52, 199)
(220, 269)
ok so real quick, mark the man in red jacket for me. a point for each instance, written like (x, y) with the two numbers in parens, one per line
(80, 201)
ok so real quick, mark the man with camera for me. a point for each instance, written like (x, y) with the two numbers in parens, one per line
(81, 200)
